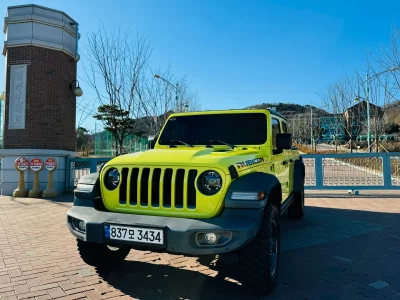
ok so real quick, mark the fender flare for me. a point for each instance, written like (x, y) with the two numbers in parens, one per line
(299, 174)
(88, 193)
(253, 182)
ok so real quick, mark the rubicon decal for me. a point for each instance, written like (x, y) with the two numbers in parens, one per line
(250, 162)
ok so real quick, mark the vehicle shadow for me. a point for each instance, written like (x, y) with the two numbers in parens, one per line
(320, 256)
(147, 281)
(67, 197)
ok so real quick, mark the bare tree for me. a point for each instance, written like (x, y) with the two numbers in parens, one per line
(116, 68)
(299, 126)
(387, 57)
(188, 100)
(130, 99)
(383, 88)
(84, 109)
(161, 100)
(159, 103)
(338, 98)
(85, 141)
(386, 87)
(382, 91)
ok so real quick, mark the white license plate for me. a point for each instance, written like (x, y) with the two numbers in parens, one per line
(134, 234)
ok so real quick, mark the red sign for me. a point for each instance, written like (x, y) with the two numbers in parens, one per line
(21, 164)
(50, 164)
(36, 164)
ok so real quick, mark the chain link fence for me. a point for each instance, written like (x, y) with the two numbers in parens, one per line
(104, 144)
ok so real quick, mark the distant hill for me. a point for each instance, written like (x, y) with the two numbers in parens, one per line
(289, 109)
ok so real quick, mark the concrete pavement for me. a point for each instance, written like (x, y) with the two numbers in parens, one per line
(345, 248)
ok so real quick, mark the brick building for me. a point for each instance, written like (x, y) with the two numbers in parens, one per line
(40, 105)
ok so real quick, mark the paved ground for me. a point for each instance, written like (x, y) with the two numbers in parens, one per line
(330, 147)
(345, 248)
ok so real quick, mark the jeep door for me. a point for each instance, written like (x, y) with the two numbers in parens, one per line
(280, 161)
(290, 157)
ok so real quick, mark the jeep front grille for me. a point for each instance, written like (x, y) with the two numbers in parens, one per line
(158, 187)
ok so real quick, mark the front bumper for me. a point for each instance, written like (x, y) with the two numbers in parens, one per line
(180, 233)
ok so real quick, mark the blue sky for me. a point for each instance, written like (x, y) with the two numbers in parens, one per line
(240, 53)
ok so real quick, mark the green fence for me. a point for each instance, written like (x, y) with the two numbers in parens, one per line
(104, 145)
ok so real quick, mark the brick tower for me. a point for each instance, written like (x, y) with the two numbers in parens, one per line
(41, 64)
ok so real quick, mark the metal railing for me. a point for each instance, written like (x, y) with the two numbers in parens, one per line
(78, 167)
(354, 171)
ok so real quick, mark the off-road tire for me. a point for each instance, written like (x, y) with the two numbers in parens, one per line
(296, 208)
(101, 256)
(255, 258)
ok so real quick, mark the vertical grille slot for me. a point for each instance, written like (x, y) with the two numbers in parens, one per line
(180, 176)
(167, 188)
(133, 187)
(191, 189)
(155, 187)
(158, 187)
(123, 186)
(144, 186)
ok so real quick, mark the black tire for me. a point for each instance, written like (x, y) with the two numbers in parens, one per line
(296, 208)
(259, 260)
(101, 256)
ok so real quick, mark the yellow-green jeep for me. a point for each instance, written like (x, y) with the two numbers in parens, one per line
(215, 182)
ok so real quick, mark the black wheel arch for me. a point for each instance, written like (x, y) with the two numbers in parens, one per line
(88, 192)
(299, 174)
(255, 182)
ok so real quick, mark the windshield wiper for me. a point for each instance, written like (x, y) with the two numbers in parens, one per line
(172, 143)
(221, 142)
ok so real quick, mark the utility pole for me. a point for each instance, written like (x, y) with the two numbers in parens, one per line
(177, 91)
(311, 127)
(368, 112)
(177, 98)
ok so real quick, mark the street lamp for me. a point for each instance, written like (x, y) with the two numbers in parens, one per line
(177, 90)
(358, 97)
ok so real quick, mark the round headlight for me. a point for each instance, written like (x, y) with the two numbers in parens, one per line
(112, 178)
(211, 182)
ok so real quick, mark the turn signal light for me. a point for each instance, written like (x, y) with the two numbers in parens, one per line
(248, 195)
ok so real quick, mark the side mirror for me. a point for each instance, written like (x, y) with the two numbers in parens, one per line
(152, 141)
(284, 141)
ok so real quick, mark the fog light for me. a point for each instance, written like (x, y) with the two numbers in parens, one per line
(82, 225)
(210, 238)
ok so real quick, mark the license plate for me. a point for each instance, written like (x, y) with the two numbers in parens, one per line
(134, 234)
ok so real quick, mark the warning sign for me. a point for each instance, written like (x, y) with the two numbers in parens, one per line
(21, 164)
(50, 164)
(36, 164)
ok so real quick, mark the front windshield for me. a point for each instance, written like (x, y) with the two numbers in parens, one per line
(234, 128)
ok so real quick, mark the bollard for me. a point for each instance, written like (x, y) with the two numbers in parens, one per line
(21, 164)
(36, 165)
(51, 166)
